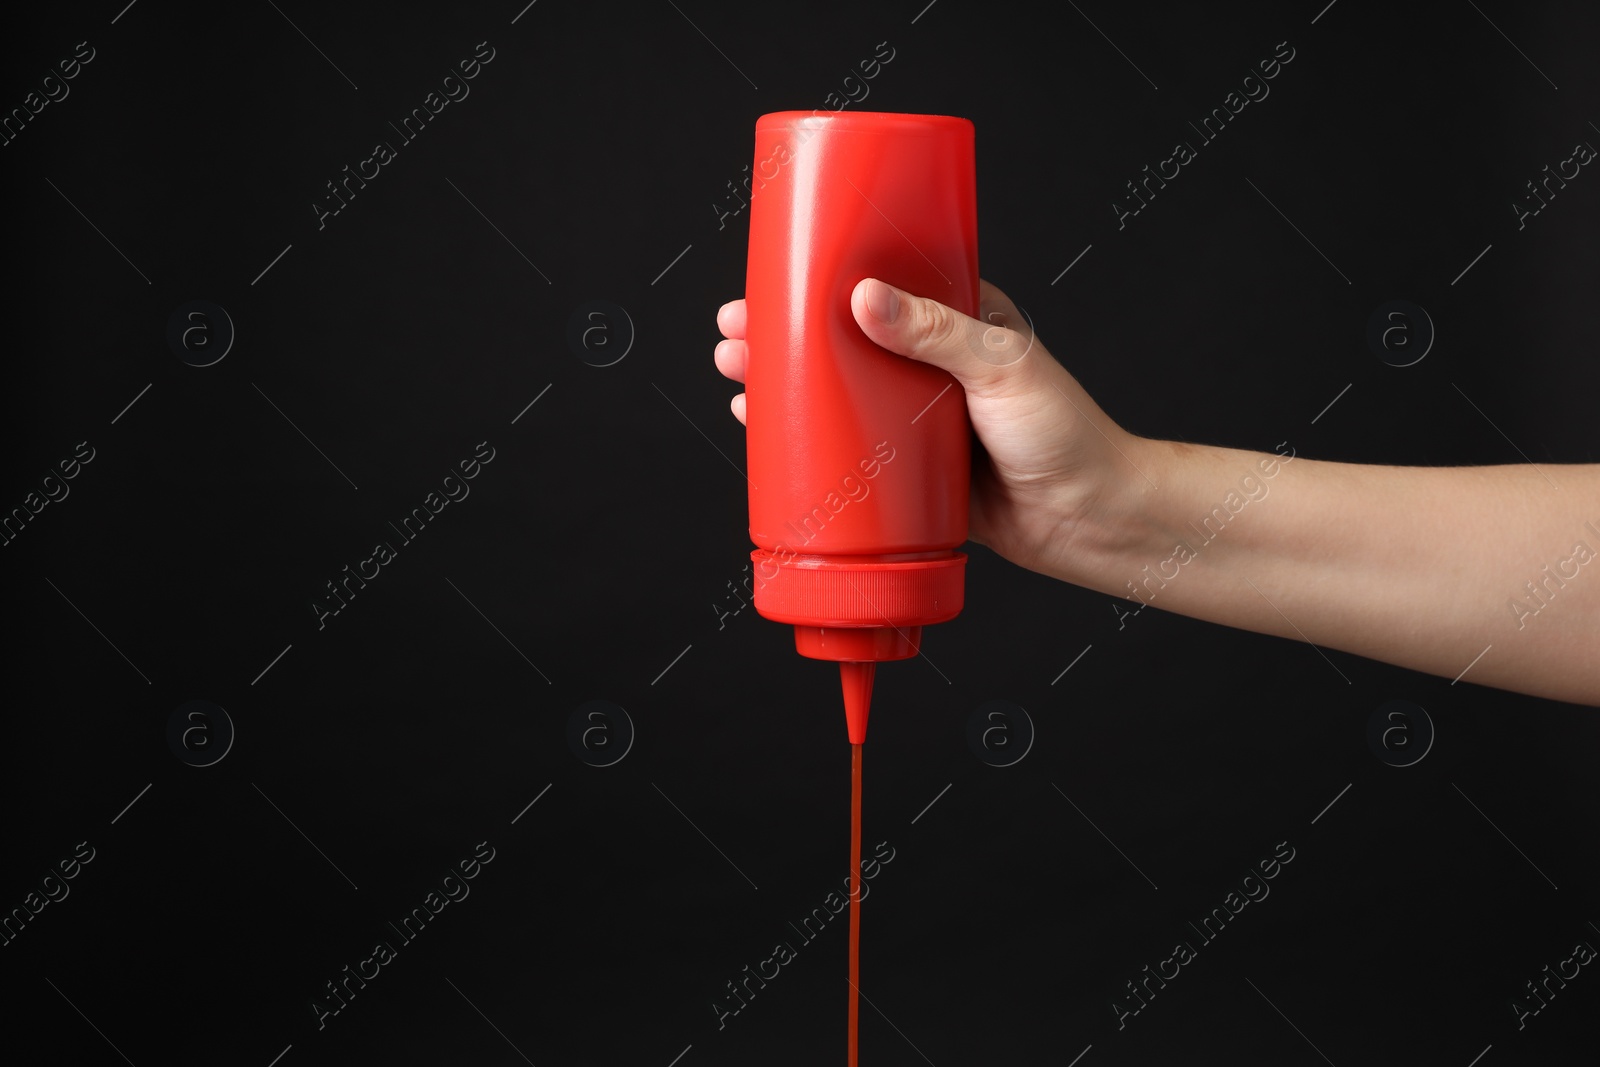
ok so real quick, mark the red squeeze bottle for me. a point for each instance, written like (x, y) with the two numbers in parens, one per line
(859, 458)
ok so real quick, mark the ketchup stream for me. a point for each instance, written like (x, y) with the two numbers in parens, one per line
(855, 897)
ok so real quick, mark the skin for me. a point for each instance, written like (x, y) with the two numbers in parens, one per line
(1365, 559)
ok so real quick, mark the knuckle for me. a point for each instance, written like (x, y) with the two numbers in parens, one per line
(937, 325)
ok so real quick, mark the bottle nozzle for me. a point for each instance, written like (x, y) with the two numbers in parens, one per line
(856, 677)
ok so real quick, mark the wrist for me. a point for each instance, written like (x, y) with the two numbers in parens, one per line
(1151, 523)
(1109, 526)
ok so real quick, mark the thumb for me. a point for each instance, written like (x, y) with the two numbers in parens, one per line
(985, 357)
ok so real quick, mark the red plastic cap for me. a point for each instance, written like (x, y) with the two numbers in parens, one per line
(858, 643)
(847, 591)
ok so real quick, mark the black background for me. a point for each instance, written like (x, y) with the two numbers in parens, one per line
(380, 749)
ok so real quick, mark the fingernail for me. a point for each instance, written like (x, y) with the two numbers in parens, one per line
(882, 302)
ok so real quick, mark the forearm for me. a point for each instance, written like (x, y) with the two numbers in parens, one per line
(1423, 567)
